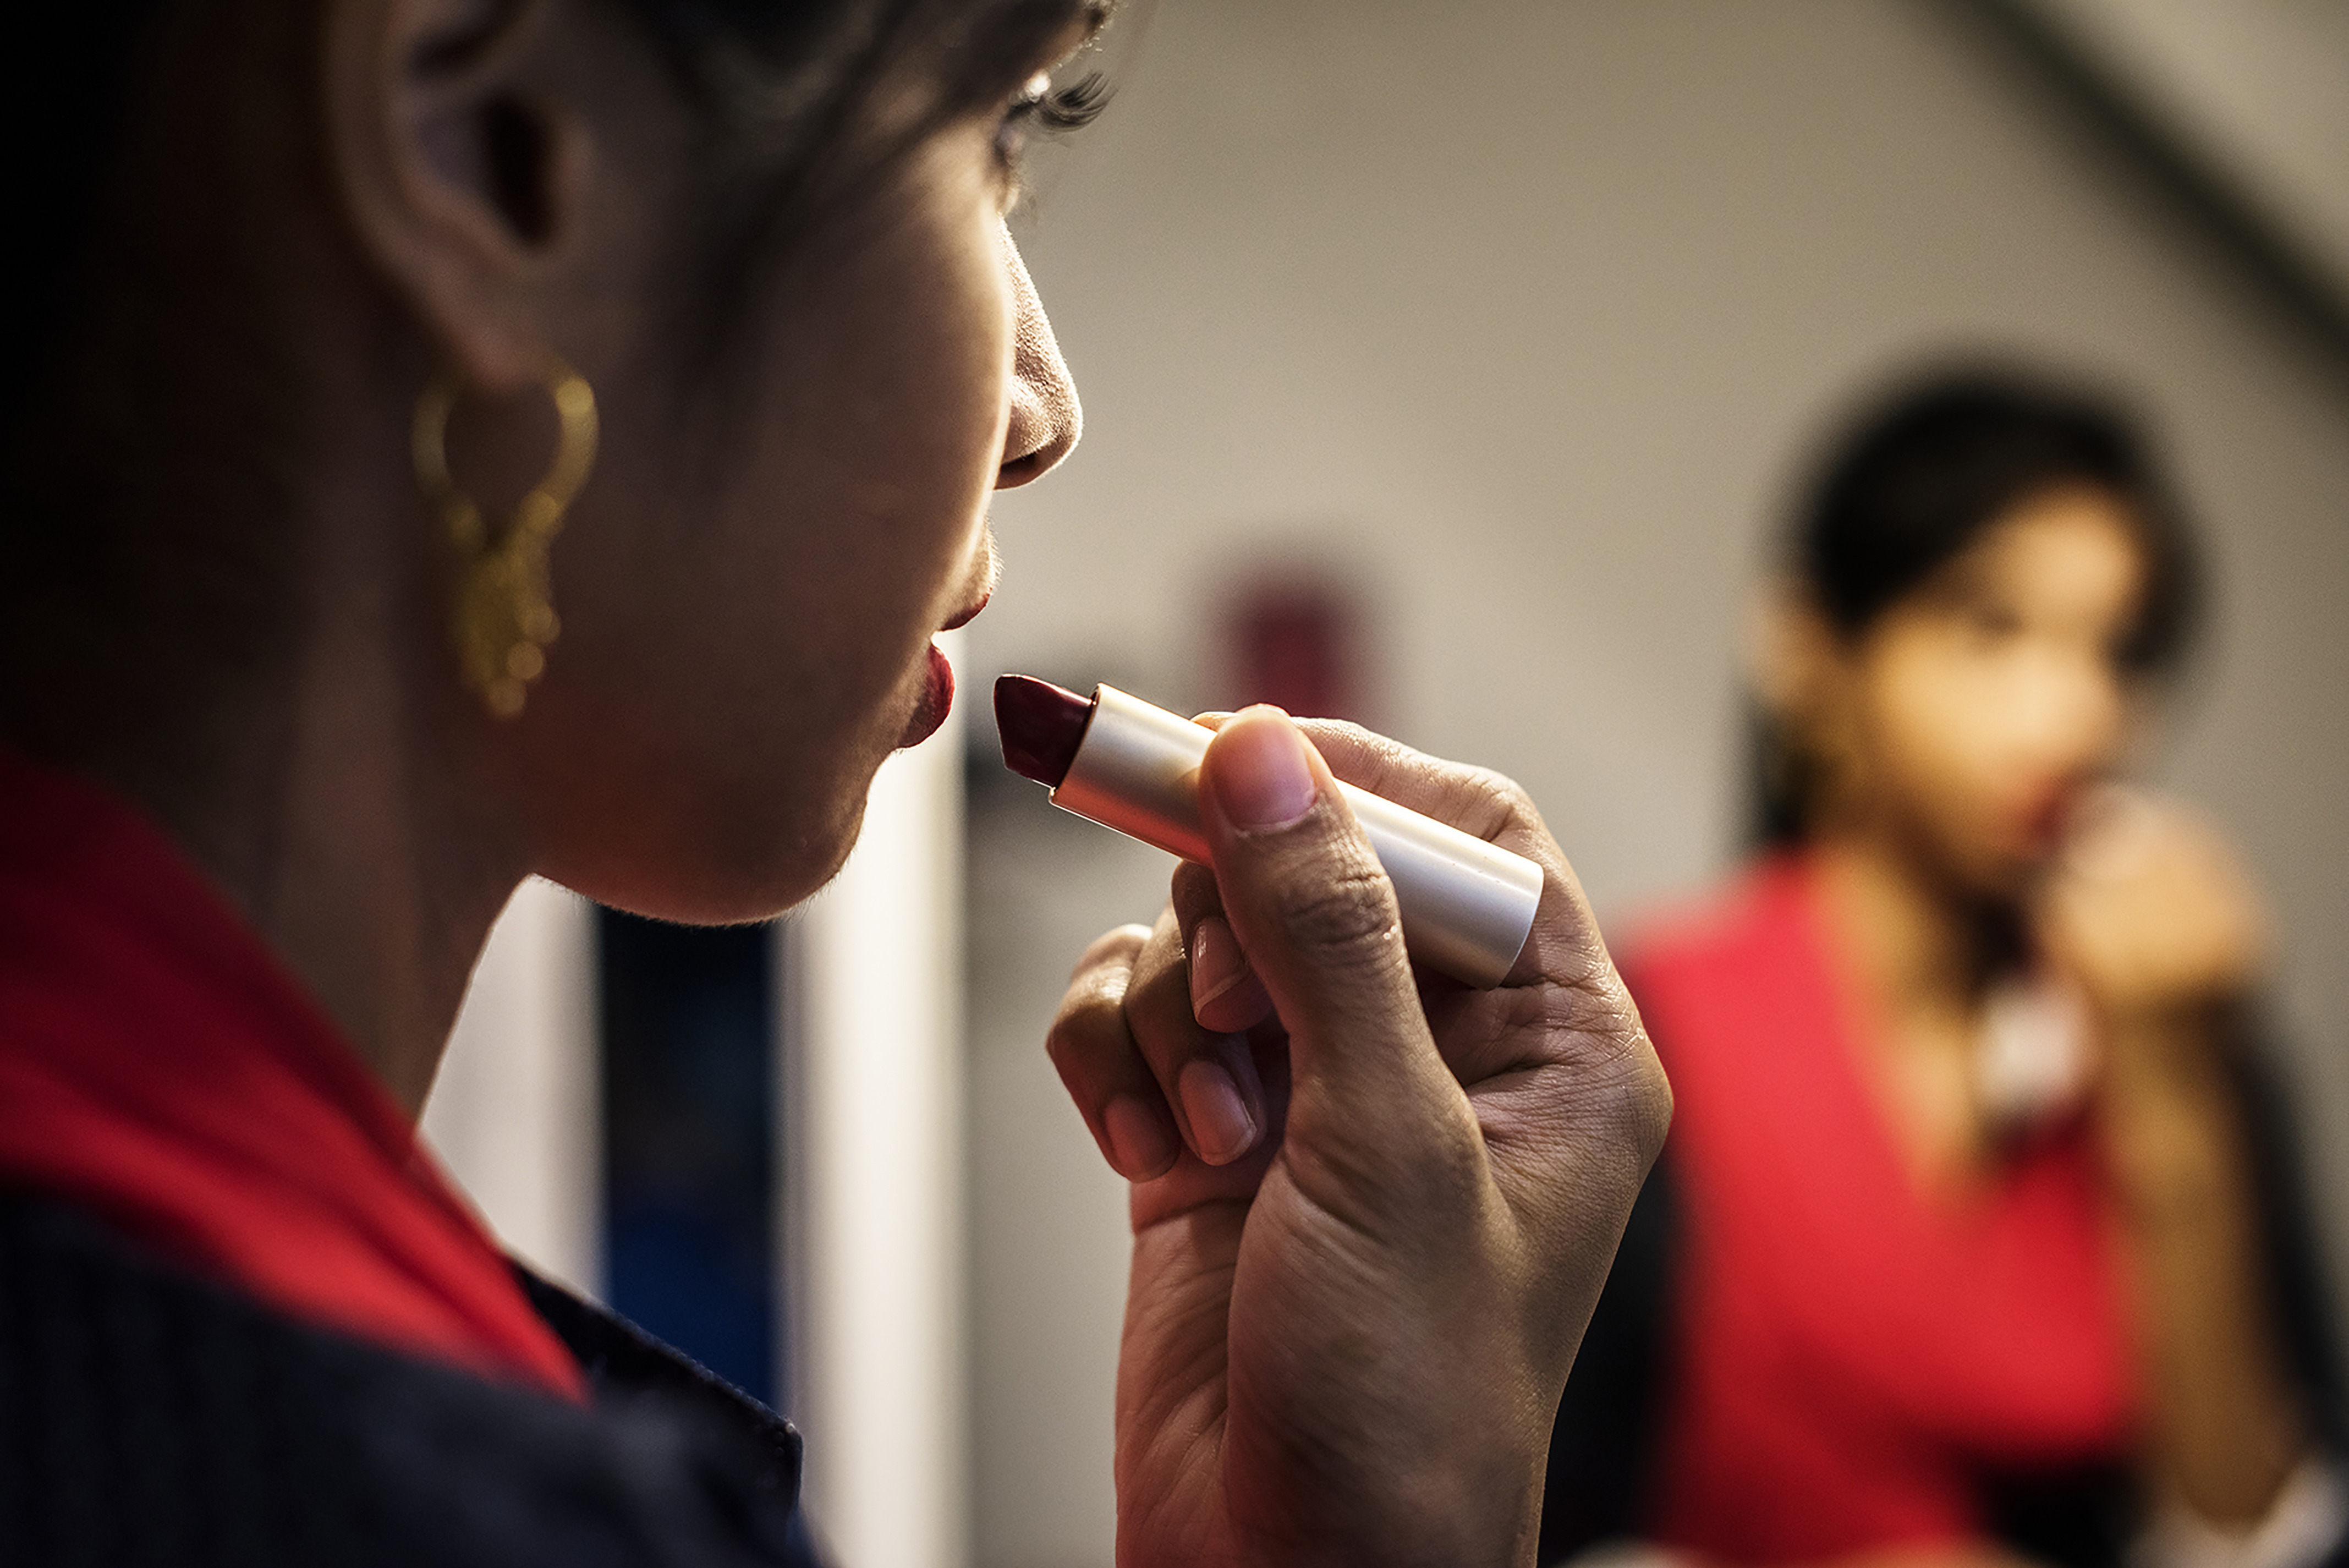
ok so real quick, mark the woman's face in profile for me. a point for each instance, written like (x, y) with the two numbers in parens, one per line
(1981, 706)
(748, 621)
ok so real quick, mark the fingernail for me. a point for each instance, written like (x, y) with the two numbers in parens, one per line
(1261, 775)
(1221, 1127)
(1140, 1144)
(1216, 963)
(1227, 997)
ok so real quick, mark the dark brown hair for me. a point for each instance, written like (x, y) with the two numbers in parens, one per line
(1918, 480)
(777, 83)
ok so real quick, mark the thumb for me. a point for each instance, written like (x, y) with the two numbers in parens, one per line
(1312, 910)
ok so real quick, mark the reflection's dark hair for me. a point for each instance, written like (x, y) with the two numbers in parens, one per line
(1922, 475)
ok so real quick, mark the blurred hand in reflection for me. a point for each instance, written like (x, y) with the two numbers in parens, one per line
(2150, 912)
(2151, 915)
(1371, 1208)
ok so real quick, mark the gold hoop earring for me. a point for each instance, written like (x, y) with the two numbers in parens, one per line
(503, 616)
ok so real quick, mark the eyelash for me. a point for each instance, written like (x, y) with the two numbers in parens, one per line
(1055, 111)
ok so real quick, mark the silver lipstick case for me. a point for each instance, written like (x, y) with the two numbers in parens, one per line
(1467, 906)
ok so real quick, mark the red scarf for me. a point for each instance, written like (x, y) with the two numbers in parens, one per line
(160, 1068)
(1852, 1354)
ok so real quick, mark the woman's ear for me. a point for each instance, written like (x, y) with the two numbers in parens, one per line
(1792, 655)
(463, 164)
(1806, 675)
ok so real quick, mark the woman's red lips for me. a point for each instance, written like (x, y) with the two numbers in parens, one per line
(965, 618)
(2045, 817)
(937, 701)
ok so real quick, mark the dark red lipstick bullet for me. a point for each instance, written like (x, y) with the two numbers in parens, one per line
(1042, 725)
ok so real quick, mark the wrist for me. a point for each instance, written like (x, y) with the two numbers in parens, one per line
(2171, 1144)
(2166, 1050)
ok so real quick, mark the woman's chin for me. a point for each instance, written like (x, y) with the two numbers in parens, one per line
(727, 867)
(732, 900)
(2011, 877)
(1989, 872)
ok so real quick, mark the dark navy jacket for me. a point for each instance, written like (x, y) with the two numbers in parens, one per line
(151, 1419)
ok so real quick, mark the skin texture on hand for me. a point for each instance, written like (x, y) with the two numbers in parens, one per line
(1369, 1225)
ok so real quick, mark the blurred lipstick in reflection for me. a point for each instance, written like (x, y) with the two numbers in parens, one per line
(2047, 817)
(1467, 906)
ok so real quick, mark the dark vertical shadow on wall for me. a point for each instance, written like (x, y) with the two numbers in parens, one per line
(2266, 258)
(689, 1145)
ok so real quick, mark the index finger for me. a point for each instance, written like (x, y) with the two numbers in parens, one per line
(1564, 946)
(1476, 800)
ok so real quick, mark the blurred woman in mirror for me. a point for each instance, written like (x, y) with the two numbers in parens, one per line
(450, 441)
(1974, 1238)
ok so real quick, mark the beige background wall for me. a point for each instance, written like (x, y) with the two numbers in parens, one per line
(1526, 306)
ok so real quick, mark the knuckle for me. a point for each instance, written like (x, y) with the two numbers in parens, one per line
(1155, 999)
(1352, 911)
(1343, 731)
(1079, 1035)
(1112, 950)
(1632, 1104)
(1648, 1107)
(1497, 801)
(1621, 1096)
(1500, 788)
(1194, 894)
(1076, 1018)
(1091, 1014)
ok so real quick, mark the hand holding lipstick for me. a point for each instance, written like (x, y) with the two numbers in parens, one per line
(2151, 911)
(1370, 1228)
(2156, 921)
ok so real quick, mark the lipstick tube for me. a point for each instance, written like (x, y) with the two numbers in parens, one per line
(1467, 906)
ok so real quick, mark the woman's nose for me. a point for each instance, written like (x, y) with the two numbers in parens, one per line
(1045, 418)
(2078, 715)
